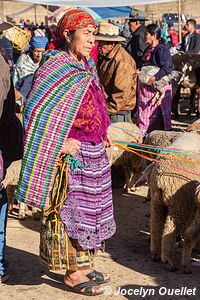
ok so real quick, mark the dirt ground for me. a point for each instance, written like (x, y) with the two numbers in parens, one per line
(127, 258)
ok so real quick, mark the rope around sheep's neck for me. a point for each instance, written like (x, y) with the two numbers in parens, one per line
(129, 149)
(158, 148)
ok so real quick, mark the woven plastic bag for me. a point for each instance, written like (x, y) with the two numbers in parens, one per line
(56, 249)
(18, 37)
(53, 238)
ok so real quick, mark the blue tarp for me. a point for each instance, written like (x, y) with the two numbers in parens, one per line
(112, 12)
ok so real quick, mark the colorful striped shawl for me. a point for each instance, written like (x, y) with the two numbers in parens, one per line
(58, 89)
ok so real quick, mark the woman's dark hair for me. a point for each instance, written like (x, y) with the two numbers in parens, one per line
(154, 29)
(64, 45)
(192, 21)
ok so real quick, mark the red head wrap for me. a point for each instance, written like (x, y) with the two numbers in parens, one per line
(74, 19)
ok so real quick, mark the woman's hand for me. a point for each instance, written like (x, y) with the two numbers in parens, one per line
(108, 141)
(71, 146)
(17, 94)
(151, 80)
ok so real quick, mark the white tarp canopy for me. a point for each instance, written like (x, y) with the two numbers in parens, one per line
(94, 3)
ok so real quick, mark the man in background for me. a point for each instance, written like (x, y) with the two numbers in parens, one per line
(117, 73)
(191, 41)
(137, 45)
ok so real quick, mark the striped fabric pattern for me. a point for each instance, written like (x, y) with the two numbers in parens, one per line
(87, 214)
(151, 117)
(58, 89)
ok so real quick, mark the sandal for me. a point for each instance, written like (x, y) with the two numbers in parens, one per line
(97, 277)
(86, 287)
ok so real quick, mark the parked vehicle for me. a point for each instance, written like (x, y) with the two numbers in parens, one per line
(173, 17)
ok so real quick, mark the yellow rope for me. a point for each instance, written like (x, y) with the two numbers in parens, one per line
(132, 149)
(157, 161)
(64, 170)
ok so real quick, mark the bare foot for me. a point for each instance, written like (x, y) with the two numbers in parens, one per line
(73, 278)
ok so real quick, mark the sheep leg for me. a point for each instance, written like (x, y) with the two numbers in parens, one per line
(22, 209)
(10, 200)
(131, 185)
(148, 197)
(10, 191)
(132, 174)
(10, 206)
(36, 214)
(191, 236)
(128, 178)
(158, 216)
(175, 101)
(169, 243)
(192, 101)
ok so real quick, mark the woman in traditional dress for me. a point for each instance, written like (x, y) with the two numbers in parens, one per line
(66, 114)
(27, 64)
(150, 116)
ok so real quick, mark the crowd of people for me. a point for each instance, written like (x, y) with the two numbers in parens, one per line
(72, 85)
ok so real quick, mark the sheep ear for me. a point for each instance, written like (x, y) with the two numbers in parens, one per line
(141, 181)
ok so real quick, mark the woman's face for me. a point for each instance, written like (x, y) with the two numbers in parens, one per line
(82, 41)
(149, 38)
(37, 54)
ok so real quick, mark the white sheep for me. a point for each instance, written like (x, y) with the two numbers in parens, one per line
(175, 206)
(10, 183)
(162, 138)
(195, 126)
(131, 163)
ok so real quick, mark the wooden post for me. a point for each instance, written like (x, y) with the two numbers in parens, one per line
(35, 13)
(47, 15)
(179, 21)
(2, 9)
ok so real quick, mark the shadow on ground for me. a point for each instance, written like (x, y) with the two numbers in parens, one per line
(31, 272)
(130, 247)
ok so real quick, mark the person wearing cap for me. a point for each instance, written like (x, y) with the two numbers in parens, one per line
(39, 32)
(65, 169)
(117, 73)
(4, 42)
(27, 64)
(137, 45)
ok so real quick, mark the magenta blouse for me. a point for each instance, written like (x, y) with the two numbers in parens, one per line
(92, 121)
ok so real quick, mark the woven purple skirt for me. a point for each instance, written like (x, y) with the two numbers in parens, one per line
(87, 213)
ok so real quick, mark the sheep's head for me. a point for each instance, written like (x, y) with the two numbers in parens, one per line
(194, 127)
(146, 176)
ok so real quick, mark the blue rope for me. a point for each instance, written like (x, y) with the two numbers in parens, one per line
(72, 162)
(149, 147)
(135, 132)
